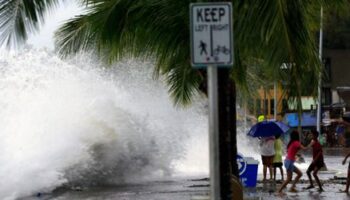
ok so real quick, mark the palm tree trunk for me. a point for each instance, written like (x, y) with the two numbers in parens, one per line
(227, 131)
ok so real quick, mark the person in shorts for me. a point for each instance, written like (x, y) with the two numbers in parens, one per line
(293, 147)
(317, 161)
(267, 154)
(277, 159)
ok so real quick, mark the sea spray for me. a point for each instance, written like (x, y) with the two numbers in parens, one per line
(79, 123)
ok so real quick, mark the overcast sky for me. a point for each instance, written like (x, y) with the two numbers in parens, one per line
(53, 20)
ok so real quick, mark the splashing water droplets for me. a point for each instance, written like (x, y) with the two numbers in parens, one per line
(78, 123)
(75, 122)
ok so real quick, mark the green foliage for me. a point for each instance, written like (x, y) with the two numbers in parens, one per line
(266, 34)
(279, 33)
(148, 29)
(20, 17)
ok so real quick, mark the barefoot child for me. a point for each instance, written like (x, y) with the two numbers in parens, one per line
(317, 161)
(277, 160)
(348, 178)
(292, 148)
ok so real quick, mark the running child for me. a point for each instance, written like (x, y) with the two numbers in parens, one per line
(292, 149)
(317, 161)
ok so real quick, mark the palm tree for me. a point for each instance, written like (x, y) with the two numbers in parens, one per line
(275, 32)
(19, 18)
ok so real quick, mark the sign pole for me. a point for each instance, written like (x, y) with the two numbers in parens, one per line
(212, 46)
(212, 73)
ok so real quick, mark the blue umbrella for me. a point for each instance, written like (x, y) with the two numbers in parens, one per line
(267, 129)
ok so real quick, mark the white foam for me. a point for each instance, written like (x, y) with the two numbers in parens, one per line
(81, 123)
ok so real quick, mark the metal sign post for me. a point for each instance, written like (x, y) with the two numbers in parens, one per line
(214, 132)
(212, 46)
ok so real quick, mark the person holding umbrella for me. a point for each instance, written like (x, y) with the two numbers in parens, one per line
(267, 148)
(293, 147)
(266, 131)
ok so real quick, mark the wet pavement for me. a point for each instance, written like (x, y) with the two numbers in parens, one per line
(197, 189)
(333, 181)
(180, 189)
(267, 191)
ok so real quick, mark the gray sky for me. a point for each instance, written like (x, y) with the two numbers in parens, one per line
(54, 19)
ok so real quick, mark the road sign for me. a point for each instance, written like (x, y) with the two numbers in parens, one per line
(211, 34)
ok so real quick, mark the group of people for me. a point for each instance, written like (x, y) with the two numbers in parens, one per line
(272, 151)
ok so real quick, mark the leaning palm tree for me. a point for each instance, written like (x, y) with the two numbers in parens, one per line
(276, 32)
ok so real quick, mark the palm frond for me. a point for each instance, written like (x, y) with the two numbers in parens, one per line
(18, 18)
(280, 32)
(75, 35)
(273, 32)
(183, 82)
(157, 30)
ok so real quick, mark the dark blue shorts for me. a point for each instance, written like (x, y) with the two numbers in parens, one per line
(289, 165)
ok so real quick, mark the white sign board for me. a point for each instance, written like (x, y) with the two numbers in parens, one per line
(211, 34)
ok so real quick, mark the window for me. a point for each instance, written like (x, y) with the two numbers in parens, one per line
(272, 106)
(284, 105)
(266, 106)
(326, 96)
(327, 70)
(258, 106)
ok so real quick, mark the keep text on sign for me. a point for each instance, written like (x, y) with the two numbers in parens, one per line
(211, 34)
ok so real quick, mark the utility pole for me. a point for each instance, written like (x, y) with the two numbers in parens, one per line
(275, 101)
(319, 99)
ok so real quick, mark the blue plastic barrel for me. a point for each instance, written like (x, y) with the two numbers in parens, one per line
(248, 170)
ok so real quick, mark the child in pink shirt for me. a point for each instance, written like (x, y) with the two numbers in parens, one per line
(292, 149)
